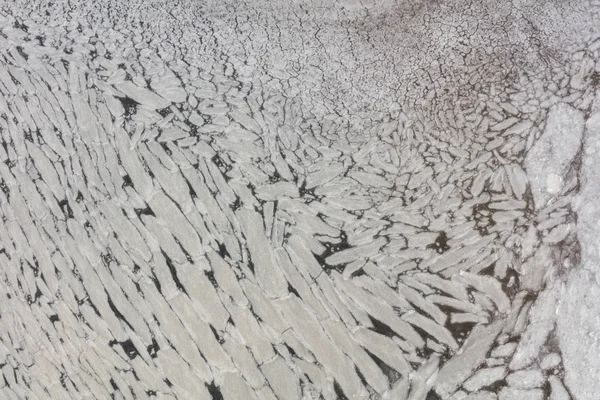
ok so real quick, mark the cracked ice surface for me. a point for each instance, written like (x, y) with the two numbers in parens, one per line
(300, 200)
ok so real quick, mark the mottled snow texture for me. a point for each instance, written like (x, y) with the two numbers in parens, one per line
(298, 199)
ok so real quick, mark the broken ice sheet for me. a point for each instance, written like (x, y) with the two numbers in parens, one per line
(350, 200)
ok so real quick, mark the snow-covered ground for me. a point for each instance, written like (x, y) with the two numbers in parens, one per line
(300, 200)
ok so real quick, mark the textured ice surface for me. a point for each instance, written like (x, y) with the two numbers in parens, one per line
(300, 200)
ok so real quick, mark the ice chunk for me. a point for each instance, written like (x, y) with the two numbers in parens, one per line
(552, 154)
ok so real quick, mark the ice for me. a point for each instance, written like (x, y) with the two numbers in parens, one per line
(345, 200)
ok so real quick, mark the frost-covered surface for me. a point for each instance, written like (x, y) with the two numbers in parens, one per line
(300, 200)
